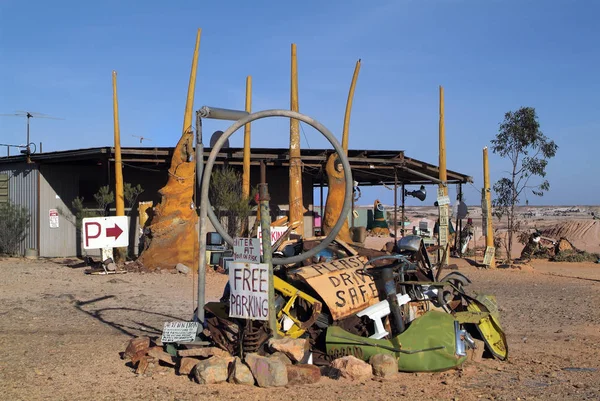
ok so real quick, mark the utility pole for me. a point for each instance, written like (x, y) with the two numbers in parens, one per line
(246, 171)
(443, 222)
(295, 191)
(119, 199)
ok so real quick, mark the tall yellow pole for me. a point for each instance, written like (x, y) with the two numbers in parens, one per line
(119, 199)
(349, 107)
(189, 104)
(295, 190)
(246, 171)
(489, 232)
(443, 229)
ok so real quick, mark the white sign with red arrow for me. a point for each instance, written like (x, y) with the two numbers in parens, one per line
(105, 232)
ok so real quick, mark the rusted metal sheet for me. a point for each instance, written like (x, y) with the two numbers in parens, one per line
(340, 284)
(335, 198)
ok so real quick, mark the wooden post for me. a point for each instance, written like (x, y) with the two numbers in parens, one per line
(296, 206)
(119, 199)
(443, 175)
(489, 232)
(246, 171)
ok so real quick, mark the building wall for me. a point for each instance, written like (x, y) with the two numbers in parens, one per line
(23, 191)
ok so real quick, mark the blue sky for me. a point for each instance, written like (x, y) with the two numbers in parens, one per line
(491, 57)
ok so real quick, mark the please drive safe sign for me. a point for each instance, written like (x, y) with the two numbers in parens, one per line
(249, 284)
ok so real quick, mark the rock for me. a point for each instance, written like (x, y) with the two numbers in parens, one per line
(331, 372)
(111, 267)
(211, 371)
(564, 245)
(303, 374)
(137, 348)
(268, 372)
(293, 348)
(204, 352)
(353, 368)
(281, 356)
(158, 353)
(186, 365)
(383, 365)
(181, 268)
(240, 373)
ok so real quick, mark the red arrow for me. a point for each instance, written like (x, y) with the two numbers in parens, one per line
(114, 232)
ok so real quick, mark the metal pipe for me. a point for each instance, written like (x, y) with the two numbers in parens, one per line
(403, 199)
(207, 213)
(423, 175)
(489, 231)
(201, 257)
(442, 172)
(265, 226)
(217, 113)
(396, 204)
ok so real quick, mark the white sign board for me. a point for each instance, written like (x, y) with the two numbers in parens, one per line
(105, 232)
(249, 284)
(490, 251)
(53, 215)
(246, 250)
(174, 332)
(276, 233)
(443, 200)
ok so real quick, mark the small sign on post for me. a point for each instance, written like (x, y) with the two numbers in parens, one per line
(105, 232)
(246, 250)
(249, 284)
(489, 254)
(276, 233)
(174, 332)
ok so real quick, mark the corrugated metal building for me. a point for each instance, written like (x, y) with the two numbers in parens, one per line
(53, 180)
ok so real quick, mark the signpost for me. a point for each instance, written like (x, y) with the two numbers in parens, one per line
(246, 250)
(249, 284)
(54, 219)
(105, 233)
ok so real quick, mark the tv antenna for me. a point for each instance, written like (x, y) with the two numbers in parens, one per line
(142, 138)
(29, 115)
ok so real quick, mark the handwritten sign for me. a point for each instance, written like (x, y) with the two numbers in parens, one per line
(443, 200)
(276, 233)
(341, 284)
(490, 251)
(249, 283)
(444, 214)
(246, 250)
(174, 332)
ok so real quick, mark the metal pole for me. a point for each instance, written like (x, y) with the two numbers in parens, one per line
(321, 195)
(396, 203)
(457, 230)
(403, 198)
(296, 206)
(265, 225)
(246, 170)
(460, 226)
(41, 151)
(199, 173)
(489, 236)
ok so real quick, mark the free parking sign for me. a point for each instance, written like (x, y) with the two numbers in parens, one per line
(105, 232)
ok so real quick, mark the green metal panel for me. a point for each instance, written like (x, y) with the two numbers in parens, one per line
(3, 188)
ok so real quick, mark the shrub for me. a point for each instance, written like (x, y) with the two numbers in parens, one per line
(575, 256)
(14, 221)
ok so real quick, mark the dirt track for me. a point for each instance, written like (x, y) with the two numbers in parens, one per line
(61, 333)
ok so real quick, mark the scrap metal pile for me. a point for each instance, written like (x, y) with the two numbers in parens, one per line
(345, 303)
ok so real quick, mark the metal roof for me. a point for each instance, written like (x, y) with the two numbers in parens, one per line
(369, 167)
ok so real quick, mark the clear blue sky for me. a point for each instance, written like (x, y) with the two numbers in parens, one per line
(490, 56)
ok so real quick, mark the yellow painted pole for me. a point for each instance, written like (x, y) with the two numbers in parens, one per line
(489, 232)
(119, 199)
(349, 107)
(246, 171)
(442, 163)
(295, 190)
(189, 104)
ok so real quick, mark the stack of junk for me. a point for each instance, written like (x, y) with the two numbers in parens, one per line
(347, 312)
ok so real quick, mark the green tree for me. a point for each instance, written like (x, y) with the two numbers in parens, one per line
(131, 193)
(226, 196)
(14, 221)
(520, 140)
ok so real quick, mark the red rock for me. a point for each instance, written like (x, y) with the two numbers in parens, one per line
(303, 374)
(186, 365)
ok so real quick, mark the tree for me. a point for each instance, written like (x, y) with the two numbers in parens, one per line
(520, 140)
(14, 221)
(231, 206)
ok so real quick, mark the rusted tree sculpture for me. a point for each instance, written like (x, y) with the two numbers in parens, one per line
(335, 198)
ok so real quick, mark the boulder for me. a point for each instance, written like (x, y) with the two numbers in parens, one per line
(268, 372)
(186, 365)
(353, 368)
(137, 348)
(211, 371)
(240, 373)
(293, 348)
(383, 365)
(303, 374)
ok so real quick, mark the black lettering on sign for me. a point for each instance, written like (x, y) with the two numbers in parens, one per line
(358, 276)
(335, 281)
(363, 292)
(373, 288)
(346, 279)
(353, 295)
(318, 268)
(335, 265)
(342, 301)
(344, 263)
(246, 284)
(355, 262)
(263, 280)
